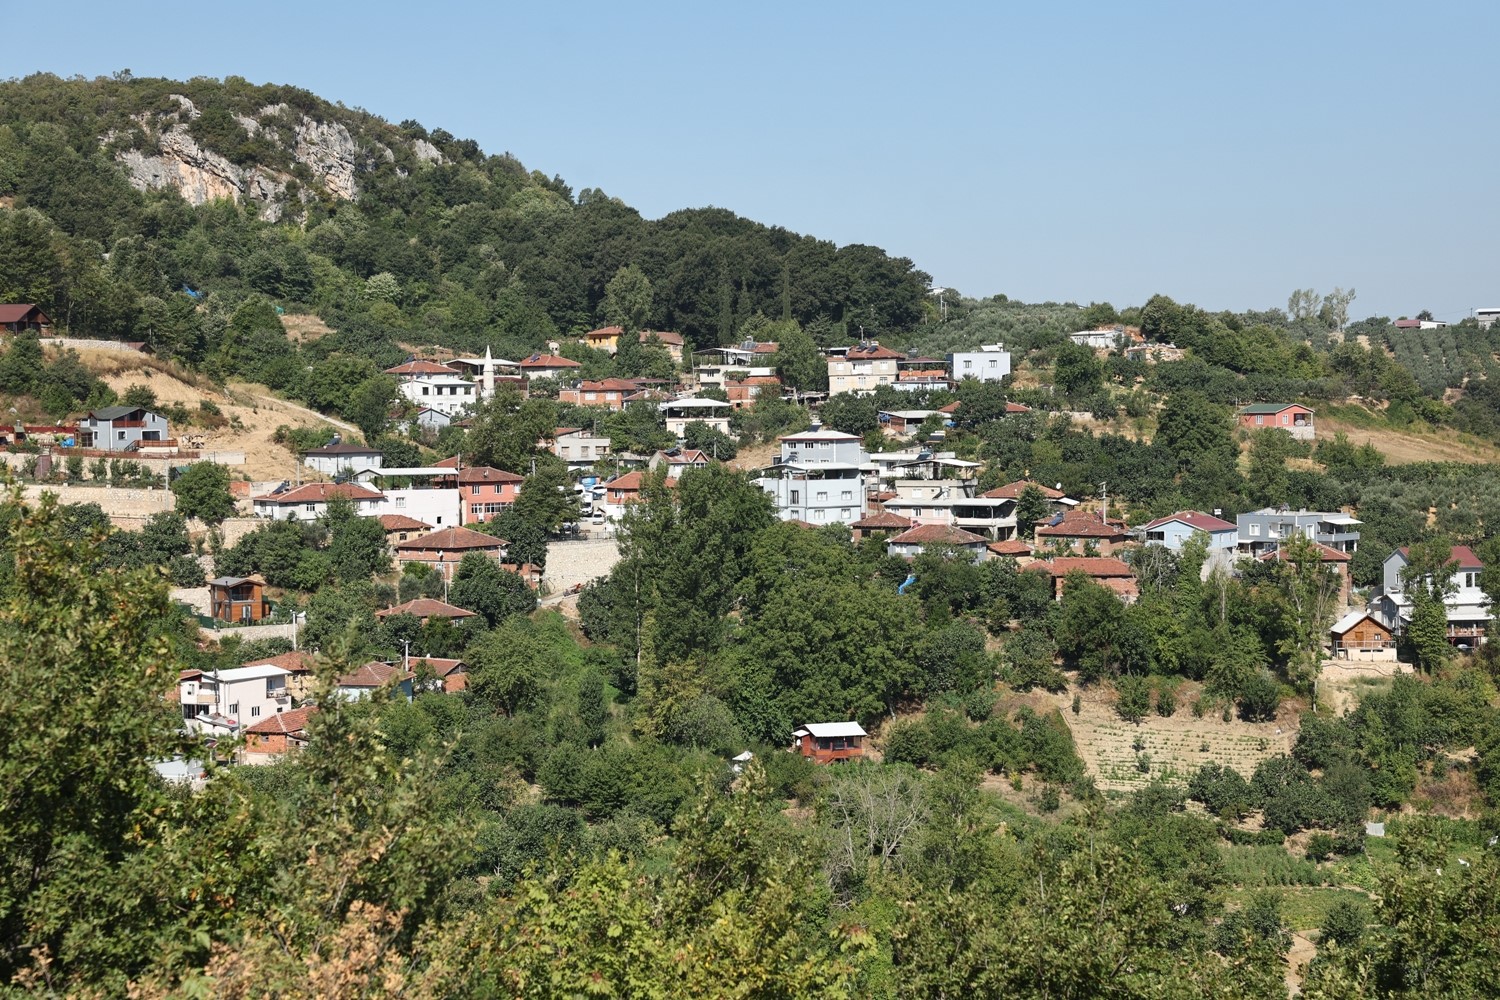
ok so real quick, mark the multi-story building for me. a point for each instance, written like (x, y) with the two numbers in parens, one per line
(121, 428)
(309, 501)
(342, 459)
(1466, 603)
(579, 446)
(818, 478)
(678, 413)
(988, 363)
(1262, 530)
(862, 368)
(221, 702)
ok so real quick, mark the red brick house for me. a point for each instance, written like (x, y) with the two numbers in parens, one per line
(1109, 572)
(485, 492)
(829, 742)
(445, 549)
(1294, 418)
(1080, 529)
(426, 608)
(279, 733)
(609, 393)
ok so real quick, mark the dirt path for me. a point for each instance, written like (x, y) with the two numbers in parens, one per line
(1298, 955)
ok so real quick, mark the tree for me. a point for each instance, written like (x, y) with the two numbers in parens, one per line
(202, 491)
(1032, 506)
(357, 546)
(547, 500)
(628, 299)
(709, 440)
(1428, 580)
(593, 709)
(797, 358)
(1302, 304)
(1335, 311)
(481, 586)
(139, 395)
(1078, 371)
(370, 405)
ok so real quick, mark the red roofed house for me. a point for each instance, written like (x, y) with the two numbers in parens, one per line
(1466, 603)
(445, 549)
(1105, 571)
(914, 541)
(862, 368)
(1175, 529)
(622, 491)
(994, 513)
(299, 666)
(364, 681)
(426, 608)
(679, 460)
(1082, 531)
(609, 393)
(747, 391)
(1012, 548)
(399, 527)
(309, 501)
(18, 316)
(485, 492)
(882, 523)
(1329, 558)
(672, 342)
(549, 366)
(606, 338)
(1294, 418)
(277, 734)
(434, 673)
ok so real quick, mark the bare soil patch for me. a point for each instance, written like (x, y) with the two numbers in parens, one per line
(1402, 447)
(304, 328)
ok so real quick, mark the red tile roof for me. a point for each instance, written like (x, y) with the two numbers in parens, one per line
(605, 332)
(1082, 525)
(420, 368)
(400, 522)
(632, 481)
(549, 361)
(882, 521)
(371, 675)
(15, 312)
(1465, 556)
(1010, 547)
(284, 723)
(1326, 553)
(426, 607)
(1094, 566)
(1012, 491)
(451, 539)
(873, 352)
(484, 474)
(610, 385)
(439, 666)
(1195, 519)
(666, 337)
(297, 661)
(321, 493)
(937, 534)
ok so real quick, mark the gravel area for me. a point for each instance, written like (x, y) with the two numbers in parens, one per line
(574, 562)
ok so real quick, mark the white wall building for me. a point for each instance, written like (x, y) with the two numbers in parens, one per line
(223, 702)
(678, 413)
(989, 363)
(342, 459)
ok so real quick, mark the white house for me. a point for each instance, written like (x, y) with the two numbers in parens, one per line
(862, 368)
(678, 413)
(342, 459)
(818, 478)
(989, 363)
(1098, 340)
(1468, 606)
(1174, 530)
(366, 680)
(222, 702)
(309, 501)
(579, 447)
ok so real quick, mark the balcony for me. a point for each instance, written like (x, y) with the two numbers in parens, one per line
(200, 698)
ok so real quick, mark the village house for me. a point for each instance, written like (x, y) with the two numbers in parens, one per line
(923, 380)
(678, 413)
(238, 600)
(309, 501)
(579, 447)
(425, 609)
(609, 393)
(434, 673)
(671, 342)
(679, 460)
(829, 742)
(485, 492)
(16, 317)
(862, 368)
(549, 366)
(817, 478)
(747, 391)
(1294, 418)
(616, 495)
(299, 665)
(1107, 571)
(1082, 532)
(1331, 559)
(914, 541)
(276, 735)
(1154, 353)
(606, 338)
(438, 386)
(359, 684)
(993, 513)
(1466, 603)
(399, 527)
(1011, 548)
(987, 363)
(903, 423)
(881, 524)
(342, 459)
(1362, 634)
(445, 548)
(1105, 339)
(121, 428)
(428, 419)
(1259, 531)
(1173, 531)
(222, 702)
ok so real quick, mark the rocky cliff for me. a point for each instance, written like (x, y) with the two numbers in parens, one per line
(307, 157)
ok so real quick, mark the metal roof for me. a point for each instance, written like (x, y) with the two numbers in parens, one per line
(823, 730)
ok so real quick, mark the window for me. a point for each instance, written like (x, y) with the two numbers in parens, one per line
(234, 709)
(254, 711)
(119, 435)
(844, 514)
(1471, 580)
(1260, 420)
(426, 391)
(796, 496)
(400, 502)
(968, 364)
(847, 495)
(310, 507)
(822, 497)
(1254, 529)
(473, 491)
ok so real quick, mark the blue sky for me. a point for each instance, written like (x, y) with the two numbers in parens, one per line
(1223, 154)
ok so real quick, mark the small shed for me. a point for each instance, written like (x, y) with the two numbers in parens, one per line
(829, 742)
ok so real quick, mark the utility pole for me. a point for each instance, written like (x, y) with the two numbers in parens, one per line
(1104, 494)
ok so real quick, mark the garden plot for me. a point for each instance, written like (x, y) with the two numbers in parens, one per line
(1123, 756)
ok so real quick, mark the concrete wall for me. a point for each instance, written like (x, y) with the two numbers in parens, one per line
(115, 501)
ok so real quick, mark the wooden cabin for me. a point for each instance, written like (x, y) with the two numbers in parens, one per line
(238, 600)
(829, 742)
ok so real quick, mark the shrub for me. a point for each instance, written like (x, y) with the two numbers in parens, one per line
(1346, 922)
(1321, 846)
(1166, 701)
(1134, 699)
